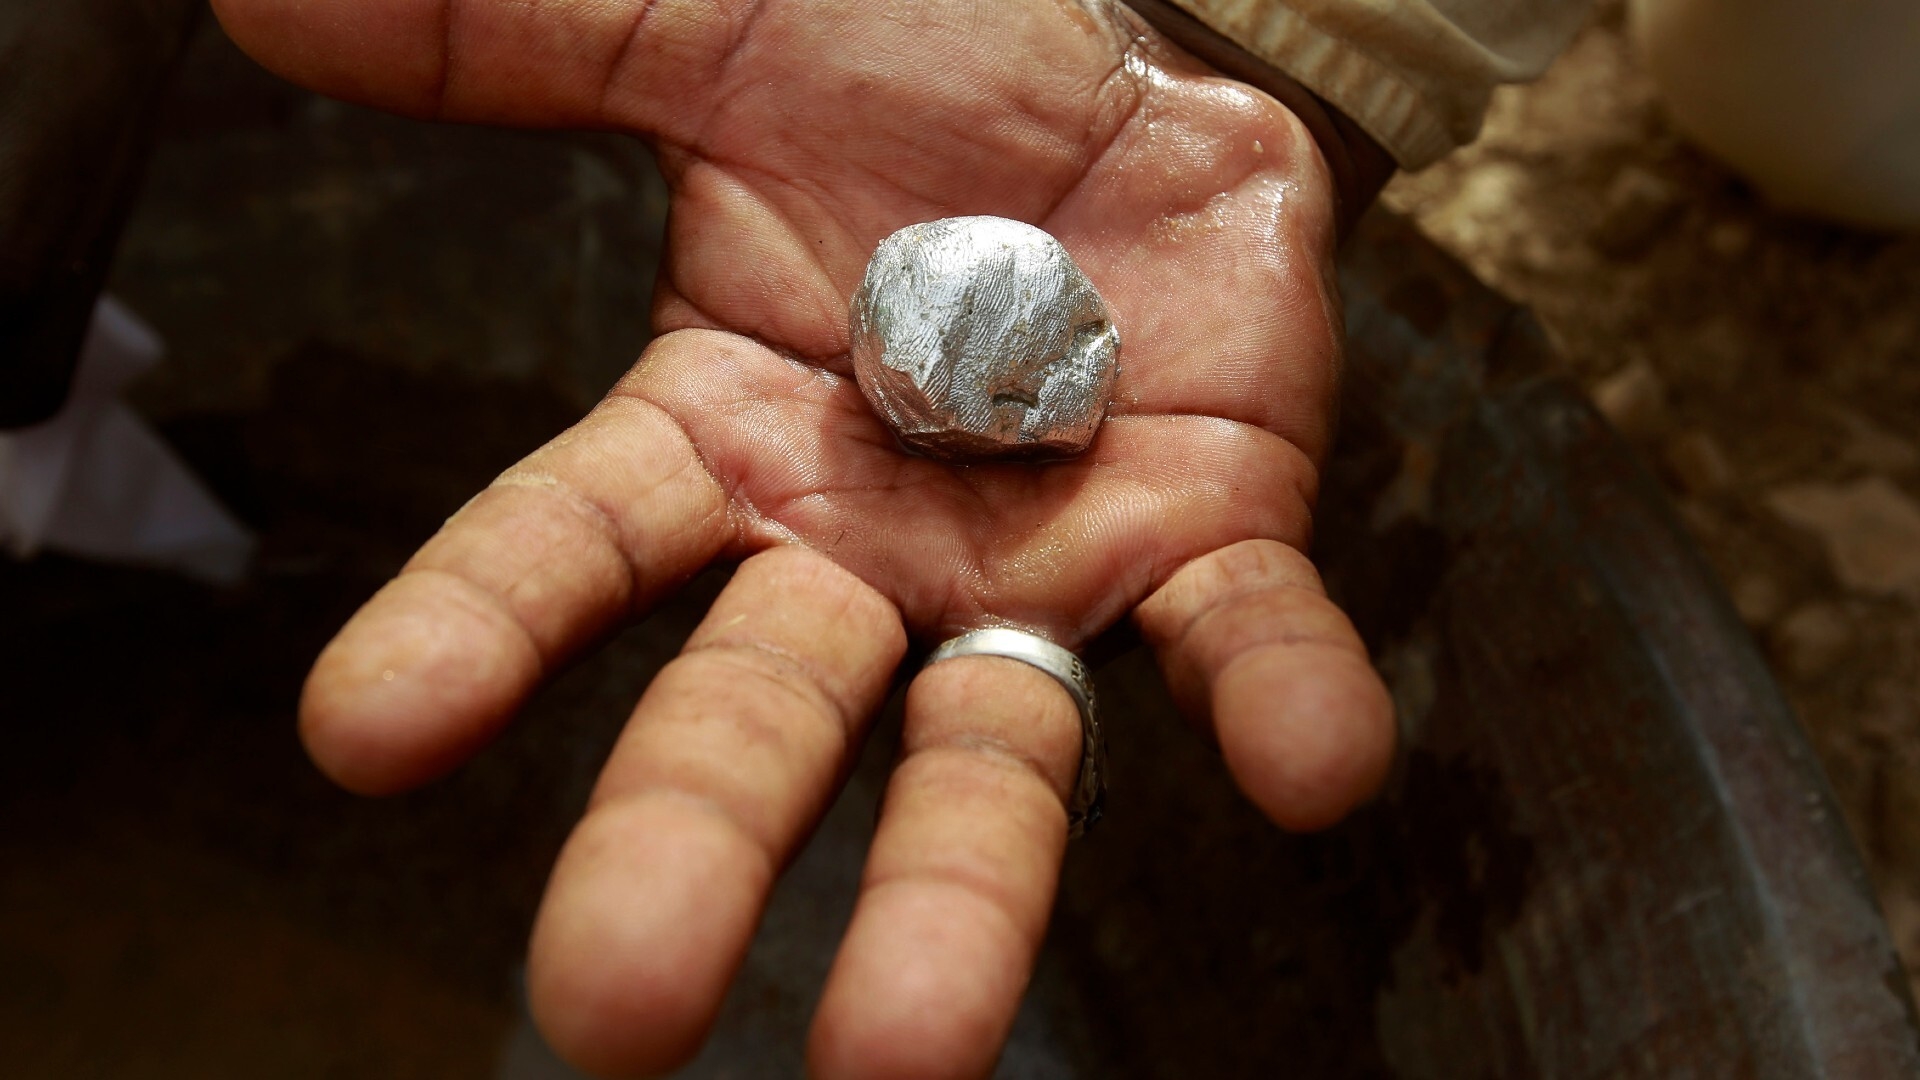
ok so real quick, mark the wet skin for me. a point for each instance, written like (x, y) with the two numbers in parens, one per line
(795, 135)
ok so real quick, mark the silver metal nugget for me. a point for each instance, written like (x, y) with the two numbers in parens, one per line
(977, 338)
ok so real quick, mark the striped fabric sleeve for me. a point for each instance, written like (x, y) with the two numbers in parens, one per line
(1414, 74)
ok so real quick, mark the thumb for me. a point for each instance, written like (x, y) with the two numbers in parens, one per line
(628, 64)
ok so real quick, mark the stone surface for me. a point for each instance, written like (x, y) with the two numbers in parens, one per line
(1810, 641)
(1640, 204)
(1757, 598)
(1697, 463)
(1633, 399)
(1711, 356)
(1897, 827)
(1870, 529)
(1871, 446)
(1730, 239)
(978, 338)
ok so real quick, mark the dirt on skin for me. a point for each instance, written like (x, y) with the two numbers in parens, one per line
(1768, 368)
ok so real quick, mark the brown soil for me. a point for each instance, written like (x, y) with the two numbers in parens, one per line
(1743, 350)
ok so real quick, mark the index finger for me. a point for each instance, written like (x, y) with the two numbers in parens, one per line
(587, 531)
(640, 63)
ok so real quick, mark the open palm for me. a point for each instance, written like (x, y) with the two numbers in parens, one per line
(795, 135)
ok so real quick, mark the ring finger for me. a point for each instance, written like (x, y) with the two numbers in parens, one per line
(960, 878)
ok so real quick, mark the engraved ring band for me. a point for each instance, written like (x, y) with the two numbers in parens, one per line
(1083, 807)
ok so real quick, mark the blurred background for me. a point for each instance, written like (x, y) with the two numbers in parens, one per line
(1767, 368)
(366, 318)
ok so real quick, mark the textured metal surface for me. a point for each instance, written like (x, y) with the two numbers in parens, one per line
(979, 338)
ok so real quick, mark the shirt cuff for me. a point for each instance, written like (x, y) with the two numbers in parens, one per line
(1407, 122)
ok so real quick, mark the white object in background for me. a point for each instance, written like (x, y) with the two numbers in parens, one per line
(97, 482)
(1816, 101)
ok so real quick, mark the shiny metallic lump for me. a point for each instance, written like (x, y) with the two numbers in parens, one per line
(978, 338)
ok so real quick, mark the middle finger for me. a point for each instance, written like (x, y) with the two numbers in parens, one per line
(729, 760)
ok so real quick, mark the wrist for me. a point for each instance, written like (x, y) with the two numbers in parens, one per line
(1358, 165)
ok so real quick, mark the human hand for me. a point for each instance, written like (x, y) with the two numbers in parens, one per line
(795, 135)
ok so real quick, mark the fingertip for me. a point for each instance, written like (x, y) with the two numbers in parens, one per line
(416, 682)
(1249, 640)
(643, 927)
(959, 881)
(910, 995)
(1307, 734)
(387, 54)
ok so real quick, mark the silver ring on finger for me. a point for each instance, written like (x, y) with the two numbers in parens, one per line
(1089, 787)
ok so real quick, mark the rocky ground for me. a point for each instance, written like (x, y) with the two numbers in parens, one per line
(1769, 369)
